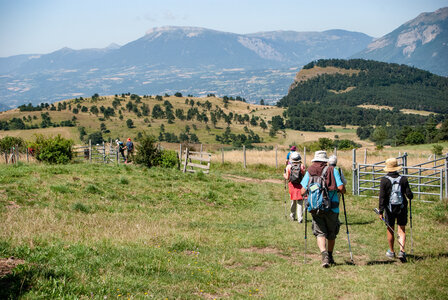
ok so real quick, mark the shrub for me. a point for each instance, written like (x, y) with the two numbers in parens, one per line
(8, 142)
(168, 159)
(437, 149)
(53, 150)
(147, 152)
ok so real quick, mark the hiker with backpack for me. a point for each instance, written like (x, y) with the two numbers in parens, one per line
(294, 173)
(393, 206)
(121, 147)
(322, 183)
(130, 154)
(292, 150)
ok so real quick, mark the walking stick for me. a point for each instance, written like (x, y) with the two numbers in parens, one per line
(306, 213)
(388, 226)
(346, 226)
(410, 216)
(286, 214)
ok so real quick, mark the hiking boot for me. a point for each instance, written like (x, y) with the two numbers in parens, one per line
(325, 260)
(390, 254)
(402, 256)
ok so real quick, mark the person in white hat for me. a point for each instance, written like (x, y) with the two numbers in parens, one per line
(294, 173)
(333, 161)
(393, 203)
(325, 222)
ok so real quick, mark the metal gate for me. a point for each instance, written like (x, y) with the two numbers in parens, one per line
(425, 179)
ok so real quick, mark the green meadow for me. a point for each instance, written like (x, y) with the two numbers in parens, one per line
(88, 231)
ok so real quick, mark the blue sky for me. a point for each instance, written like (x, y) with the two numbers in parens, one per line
(43, 26)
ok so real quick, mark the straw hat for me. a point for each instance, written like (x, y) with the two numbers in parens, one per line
(392, 165)
(295, 157)
(333, 160)
(320, 155)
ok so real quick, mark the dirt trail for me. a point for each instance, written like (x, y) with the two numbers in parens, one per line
(7, 264)
(251, 180)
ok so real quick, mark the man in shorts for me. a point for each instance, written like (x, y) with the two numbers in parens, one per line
(395, 211)
(325, 223)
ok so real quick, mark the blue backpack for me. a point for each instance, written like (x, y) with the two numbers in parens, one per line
(318, 199)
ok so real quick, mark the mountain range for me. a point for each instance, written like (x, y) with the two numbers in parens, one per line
(421, 42)
(201, 61)
(190, 60)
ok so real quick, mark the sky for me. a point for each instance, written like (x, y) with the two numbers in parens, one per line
(44, 26)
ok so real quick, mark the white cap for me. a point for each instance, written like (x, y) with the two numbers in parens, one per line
(333, 160)
(295, 157)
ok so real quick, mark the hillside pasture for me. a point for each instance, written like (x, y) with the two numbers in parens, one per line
(119, 129)
(97, 231)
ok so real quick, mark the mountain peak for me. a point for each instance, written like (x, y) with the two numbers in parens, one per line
(187, 30)
(429, 17)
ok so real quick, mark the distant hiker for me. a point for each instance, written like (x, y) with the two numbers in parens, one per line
(294, 174)
(333, 161)
(322, 184)
(130, 147)
(393, 203)
(121, 147)
(293, 149)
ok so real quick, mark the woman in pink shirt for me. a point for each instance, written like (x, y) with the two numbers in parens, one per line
(294, 173)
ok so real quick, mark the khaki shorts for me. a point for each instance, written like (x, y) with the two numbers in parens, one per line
(326, 224)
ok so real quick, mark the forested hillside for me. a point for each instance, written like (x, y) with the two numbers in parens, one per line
(333, 99)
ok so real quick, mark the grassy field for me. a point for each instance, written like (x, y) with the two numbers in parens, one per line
(124, 232)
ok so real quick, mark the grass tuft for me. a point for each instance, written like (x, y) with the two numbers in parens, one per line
(78, 206)
(93, 189)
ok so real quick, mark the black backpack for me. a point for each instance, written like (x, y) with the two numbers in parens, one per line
(296, 173)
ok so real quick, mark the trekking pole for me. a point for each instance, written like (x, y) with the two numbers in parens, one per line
(410, 217)
(306, 213)
(286, 214)
(388, 226)
(346, 226)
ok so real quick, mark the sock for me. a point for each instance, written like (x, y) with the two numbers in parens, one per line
(324, 254)
(330, 253)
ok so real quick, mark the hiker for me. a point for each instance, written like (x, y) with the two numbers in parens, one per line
(393, 204)
(292, 150)
(333, 161)
(294, 173)
(130, 147)
(121, 148)
(325, 223)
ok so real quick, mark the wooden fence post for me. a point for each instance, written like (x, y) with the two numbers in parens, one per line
(244, 155)
(180, 152)
(90, 151)
(104, 153)
(354, 183)
(335, 152)
(276, 160)
(304, 156)
(27, 155)
(222, 155)
(365, 156)
(186, 160)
